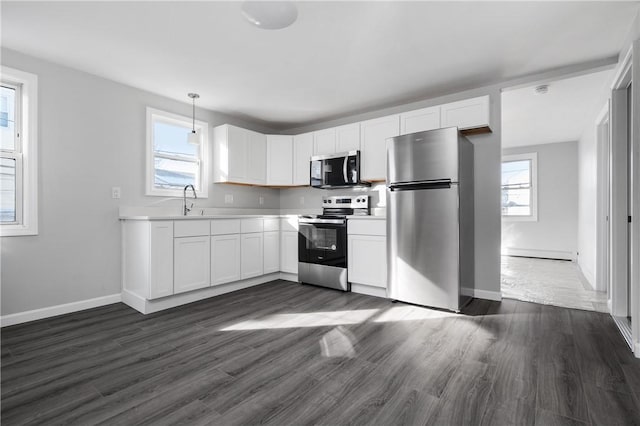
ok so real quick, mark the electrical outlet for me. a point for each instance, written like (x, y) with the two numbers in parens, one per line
(301, 201)
(115, 192)
(228, 198)
(261, 200)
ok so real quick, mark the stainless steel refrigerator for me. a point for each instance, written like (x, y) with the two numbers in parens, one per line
(430, 219)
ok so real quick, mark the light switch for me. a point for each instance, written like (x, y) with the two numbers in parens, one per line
(115, 192)
(261, 200)
(228, 198)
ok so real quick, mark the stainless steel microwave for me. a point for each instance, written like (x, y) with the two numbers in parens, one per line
(336, 170)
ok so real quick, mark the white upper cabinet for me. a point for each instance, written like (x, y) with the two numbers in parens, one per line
(257, 158)
(279, 160)
(467, 114)
(324, 142)
(302, 152)
(348, 137)
(239, 155)
(373, 144)
(420, 120)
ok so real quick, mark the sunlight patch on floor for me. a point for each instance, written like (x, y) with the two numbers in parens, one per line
(306, 319)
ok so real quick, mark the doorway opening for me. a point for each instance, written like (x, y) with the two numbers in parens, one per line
(549, 192)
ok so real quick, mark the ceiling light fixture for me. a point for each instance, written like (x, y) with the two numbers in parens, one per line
(270, 15)
(194, 137)
(543, 89)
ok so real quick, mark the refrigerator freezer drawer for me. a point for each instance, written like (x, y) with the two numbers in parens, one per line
(424, 246)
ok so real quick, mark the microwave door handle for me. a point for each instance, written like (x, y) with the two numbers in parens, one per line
(344, 169)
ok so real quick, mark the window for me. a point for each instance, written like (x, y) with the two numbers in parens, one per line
(519, 187)
(173, 163)
(18, 153)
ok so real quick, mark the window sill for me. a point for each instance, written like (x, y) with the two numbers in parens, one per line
(17, 231)
(519, 218)
(174, 193)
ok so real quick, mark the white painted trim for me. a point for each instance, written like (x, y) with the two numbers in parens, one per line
(289, 277)
(623, 75)
(29, 149)
(487, 295)
(156, 305)
(625, 330)
(52, 311)
(368, 290)
(205, 176)
(544, 254)
(636, 351)
(603, 145)
(533, 158)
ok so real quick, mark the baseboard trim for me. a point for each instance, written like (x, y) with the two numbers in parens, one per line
(544, 254)
(625, 330)
(487, 295)
(368, 290)
(146, 306)
(637, 351)
(52, 311)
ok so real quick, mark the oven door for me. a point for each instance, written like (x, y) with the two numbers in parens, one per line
(323, 243)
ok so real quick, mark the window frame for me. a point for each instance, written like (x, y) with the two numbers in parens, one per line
(25, 152)
(204, 175)
(532, 157)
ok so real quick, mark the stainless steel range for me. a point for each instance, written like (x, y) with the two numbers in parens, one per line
(322, 241)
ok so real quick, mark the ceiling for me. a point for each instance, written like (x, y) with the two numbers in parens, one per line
(338, 58)
(560, 115)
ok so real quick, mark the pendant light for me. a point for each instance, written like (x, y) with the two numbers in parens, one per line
(194, 137)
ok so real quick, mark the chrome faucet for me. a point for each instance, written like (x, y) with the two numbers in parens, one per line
(184, 198)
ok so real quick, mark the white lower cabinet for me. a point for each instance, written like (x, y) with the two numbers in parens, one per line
(367, 260)
(191, 263)
(271, 252)
(289, 252)
(367, 252)
(225, 258)
(251, 255)
(161, 259)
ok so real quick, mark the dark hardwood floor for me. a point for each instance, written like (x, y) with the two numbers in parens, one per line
(283, 353)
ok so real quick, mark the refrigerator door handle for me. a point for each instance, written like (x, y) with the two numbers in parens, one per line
(412, 186)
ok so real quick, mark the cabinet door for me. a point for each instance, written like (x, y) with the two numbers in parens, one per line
(251, 259)
(289, 252)
(191, 265)
(257, 158)
(161, 262)
(373, 137)
(225, 259)
(367, 260)
(324, 142)
(467, 114)
(420, 120)
(271, 252)
(237, 146)
(302, 152)
(279, 160)
(348, 137)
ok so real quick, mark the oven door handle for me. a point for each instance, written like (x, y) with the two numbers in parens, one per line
(321, 221)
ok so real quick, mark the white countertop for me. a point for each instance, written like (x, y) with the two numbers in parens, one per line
(202, 217)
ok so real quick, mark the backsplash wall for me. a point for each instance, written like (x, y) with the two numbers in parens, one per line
(310, 198)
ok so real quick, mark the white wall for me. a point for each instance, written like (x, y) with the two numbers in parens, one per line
(555, 233)
(91, 137)
(487, 189)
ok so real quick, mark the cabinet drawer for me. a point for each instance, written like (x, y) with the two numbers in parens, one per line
(367, 227)
(251, 225)
(225, 226)
(289, 224)
(190, 228)
(271, 224)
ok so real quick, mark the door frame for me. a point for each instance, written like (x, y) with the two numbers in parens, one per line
(603, 139)
(621, 271)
